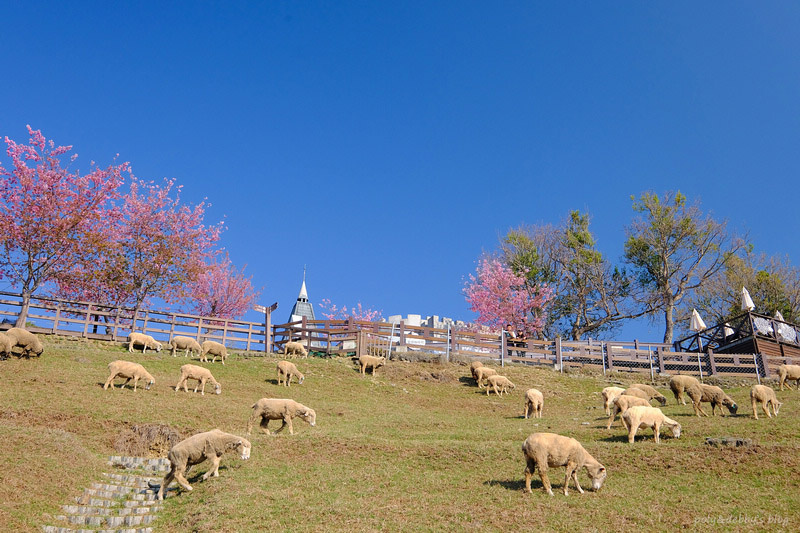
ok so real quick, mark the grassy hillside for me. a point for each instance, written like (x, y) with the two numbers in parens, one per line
(416, 448)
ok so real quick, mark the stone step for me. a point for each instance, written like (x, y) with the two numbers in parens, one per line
(145, 495)
(110, 521)
(139, 463)
(122, 489)
(58, 529)
(136, 509)
(132, 479)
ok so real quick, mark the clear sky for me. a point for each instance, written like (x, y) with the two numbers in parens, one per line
(386, 145)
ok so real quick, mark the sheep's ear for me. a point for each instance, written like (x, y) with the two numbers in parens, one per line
(602, 469)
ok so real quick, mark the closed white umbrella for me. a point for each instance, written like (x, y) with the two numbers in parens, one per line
(697, 323)
(779, 316)
(747, 302)
(728, 330)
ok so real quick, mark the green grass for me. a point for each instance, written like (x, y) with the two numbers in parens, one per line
(418, 448)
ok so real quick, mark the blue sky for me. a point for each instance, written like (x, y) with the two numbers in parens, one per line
(386, 145)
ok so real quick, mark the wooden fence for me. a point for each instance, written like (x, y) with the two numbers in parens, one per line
(93, 321)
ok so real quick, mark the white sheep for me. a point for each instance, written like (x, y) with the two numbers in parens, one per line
(534, 403)
(788, 373)
(367, 361)
(131, 371)
(544, 450)
(6, 345)
(295, 348)
(500, 385)
(196, 449)
(621, 403)
(201, 375)
(30, 343)
(286, 371)
(765, 395)
(639, 393)
(483, 372)
(184, 343)
(215, 349)
(645, 416)
(652, 392)
(145, 341)
(279, 409)
(473, 366)
(608, 394)
(714, 395)
(679, 384)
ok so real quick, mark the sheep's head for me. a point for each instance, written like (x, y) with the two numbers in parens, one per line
(662, 400)
(158, 346)
(776, 405)
(218, 389)
(731, 405)
(300, 379)
(242, 447)
(598, 477)
(676, 431)
(310, 416)
(150, 383)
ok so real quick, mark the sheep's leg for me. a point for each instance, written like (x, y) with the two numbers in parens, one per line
(539, 411)
(527, 407)
(611, 418)
(214, 467)
(265, 426)
(110, 381)
(753, 404)
(135, 383)
(203, 388)
(178, 386)
(545, 480)
(657, 432)
(287, 419)
(529, 468)
(633, 426)
(179, 471)
(280, 428)
(251, 421)
(766, 408)
(165, 483)
(575, 479)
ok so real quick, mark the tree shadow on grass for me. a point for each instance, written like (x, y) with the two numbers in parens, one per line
(513, 484)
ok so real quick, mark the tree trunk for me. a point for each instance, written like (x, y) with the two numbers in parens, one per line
(23, 311)
(669, 322)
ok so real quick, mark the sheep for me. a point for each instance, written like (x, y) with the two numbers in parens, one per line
(789, 372)
(201, 375)
(290, 349)
(482, 373)
(765, 395)
(608, 394)
(714, 395)
(652, 392)
(279, 409)
(126, 369)
(215, 349)
(679, 384)
(146, 341)
(184, 343)
(549, 449)
(285, 372)
(641, 416)
(534, 403)
(621, 403)
(639, 393)
(474, 366)
(366, 361)
(500, 384)
(30, 343)
(196, 449)
(6, 345)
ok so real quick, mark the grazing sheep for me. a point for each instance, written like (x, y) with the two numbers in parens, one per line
(652, 392)
(145, 341)
(714, 395)
(679, 384)
(787, 373)
(482, 373)
(366, 361)
(641, 416)
(639, 393)
(131, 371)
(473, 366)
(534, 403)
(6, 345)
(291, 349)
(201, 375)
(30, 343)
(184, 343)
(621, 403)
(196, 449)
(500, 385)
(767, 397)
(608, 394)
(276, 409)
(548, 449)
(215, 349)
(285, 372)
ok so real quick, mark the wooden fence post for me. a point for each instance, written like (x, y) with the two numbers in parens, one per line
(764, 365)
(611, 359)
(503, 347)
(55, 322)
(268, 331)
(86, 322)
(559, 360)
(712, 365)
(402, 341)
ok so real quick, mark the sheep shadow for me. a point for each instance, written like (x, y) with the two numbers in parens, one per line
(513, 484)
(468, 381)
(273, 381)
(622, 437)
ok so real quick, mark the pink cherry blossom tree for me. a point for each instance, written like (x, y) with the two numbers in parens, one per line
(221, 290)
(501, 297)
(53, 219)
(332, 312)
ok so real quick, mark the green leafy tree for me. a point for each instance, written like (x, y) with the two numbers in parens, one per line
(673, 249)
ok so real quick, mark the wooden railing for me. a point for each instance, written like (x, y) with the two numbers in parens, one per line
(94, 321)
